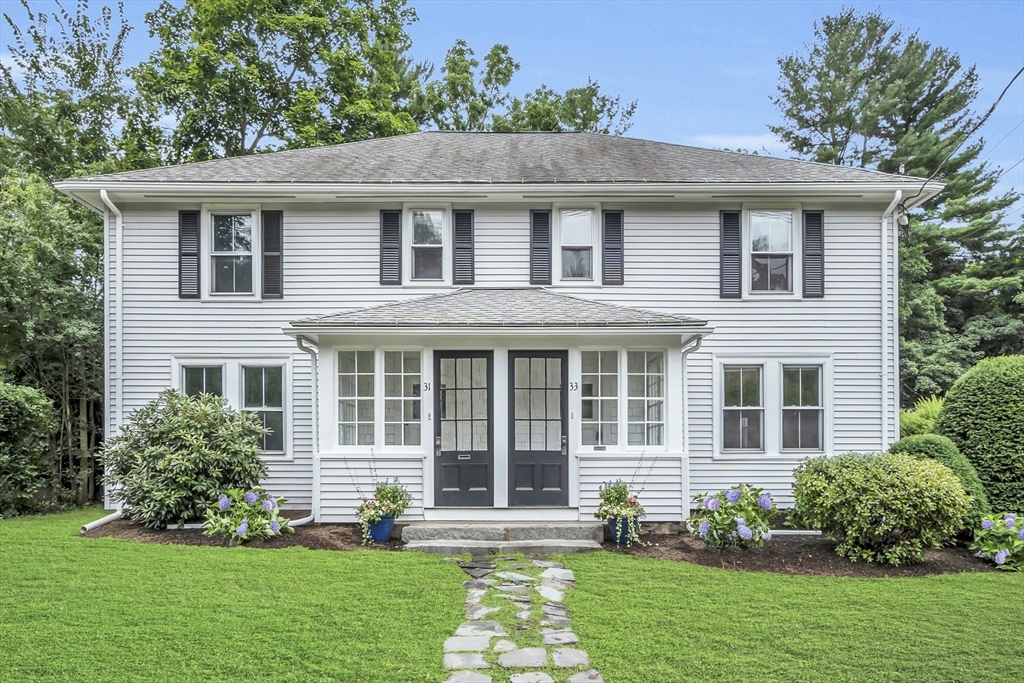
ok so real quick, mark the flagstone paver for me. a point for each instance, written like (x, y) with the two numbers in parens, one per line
(529, 657)
(590, 676)
(466, 676)
(549, 593)
(558, 636)
(467, 643)
(533, 677)
(567, 657)
(463, 660)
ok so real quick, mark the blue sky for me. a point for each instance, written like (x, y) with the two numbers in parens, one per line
(703, 72)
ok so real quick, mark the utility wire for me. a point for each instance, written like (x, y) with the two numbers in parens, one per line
(999, 177)
(976, 231)
(993, 148)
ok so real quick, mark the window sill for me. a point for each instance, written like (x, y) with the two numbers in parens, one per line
(762, 456)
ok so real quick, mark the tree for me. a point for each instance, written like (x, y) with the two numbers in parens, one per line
(471, 97)
(871, 95)
(245, 76)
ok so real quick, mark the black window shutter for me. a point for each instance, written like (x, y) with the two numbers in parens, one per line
(731, 260)
(188, 254)
(540, 247)
(390, 247)
(611, 248)
(273, 251)
(814, 254)
(463, 272)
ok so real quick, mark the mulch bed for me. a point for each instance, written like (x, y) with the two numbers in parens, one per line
(812, 555)
(313, 536)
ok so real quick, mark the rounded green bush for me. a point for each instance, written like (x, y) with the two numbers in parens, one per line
(26, 422)
(178, 454)
(941, 449)
(881, 507)
(983, 415)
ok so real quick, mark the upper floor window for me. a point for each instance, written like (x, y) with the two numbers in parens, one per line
(232, 253)
(576, 228)
(428, 238)
(771, 251)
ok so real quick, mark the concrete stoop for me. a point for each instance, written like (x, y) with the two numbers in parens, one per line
(451, 538)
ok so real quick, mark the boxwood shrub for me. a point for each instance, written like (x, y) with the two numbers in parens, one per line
(178, 455)
(880, 507)
(942, 450)
(26, 422)
(984, 416)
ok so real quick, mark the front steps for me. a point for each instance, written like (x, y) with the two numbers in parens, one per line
(456, 538)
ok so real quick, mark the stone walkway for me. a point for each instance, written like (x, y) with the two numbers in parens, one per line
(520, 607)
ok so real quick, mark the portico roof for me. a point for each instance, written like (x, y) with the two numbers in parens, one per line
(498, 309)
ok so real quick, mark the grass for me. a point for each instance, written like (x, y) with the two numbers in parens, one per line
(77, 609)
(646, 620)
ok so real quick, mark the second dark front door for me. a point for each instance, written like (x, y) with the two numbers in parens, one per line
(464, 428)
(538, 457)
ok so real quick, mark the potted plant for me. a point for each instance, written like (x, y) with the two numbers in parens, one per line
(622, 510)
(377, 515)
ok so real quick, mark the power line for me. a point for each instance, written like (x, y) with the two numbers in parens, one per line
(993, 148)
(999, 177)
(974, 232)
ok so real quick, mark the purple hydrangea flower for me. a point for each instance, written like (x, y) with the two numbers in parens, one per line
(704, 528)
(243, 528)
(739, 521)
(707, 502)
(275, 526)
(766, 536)
(712, 504)
(1020, 534)
(1010, 520)
(1001, 556)
(251, 498)
(764, 501)
(745, 533)
(268, 504)
(987, 524)
(733, 496)
(224, 503)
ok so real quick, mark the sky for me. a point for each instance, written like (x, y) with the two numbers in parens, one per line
(703, 73)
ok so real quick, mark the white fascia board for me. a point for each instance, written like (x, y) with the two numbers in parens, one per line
(433, 332)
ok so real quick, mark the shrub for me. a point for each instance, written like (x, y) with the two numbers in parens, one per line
(920, 420)
(178, 454)
(881, 508)
(243, 515)
(389, 500)
(26, 422)
(737, 517)
(942, 450)
(617, 503)
(984, 416)
(1000, 538)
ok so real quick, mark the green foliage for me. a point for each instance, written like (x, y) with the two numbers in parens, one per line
(982, 415)
(178, 454)
(244, 515)
(737, 517)
(1001, 539)
(942, 450)
(921, 419)
(26, 421)
(389, 500)
(881, 508)
(623, 508)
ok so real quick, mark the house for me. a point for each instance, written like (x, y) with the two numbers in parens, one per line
(505, 321)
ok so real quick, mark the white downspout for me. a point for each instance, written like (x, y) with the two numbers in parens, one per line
(303, 344)
(118, 306)
(884, 244)
(687, 350)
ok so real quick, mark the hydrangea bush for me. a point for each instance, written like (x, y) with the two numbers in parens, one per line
(617, 503)
(389, 500)
(736, 517)
(1001, 539)
(243, 515)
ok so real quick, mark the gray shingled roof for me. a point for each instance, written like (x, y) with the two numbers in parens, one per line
(448, 157)
(498, 308)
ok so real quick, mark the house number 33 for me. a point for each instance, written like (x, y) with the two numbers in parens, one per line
(574, 386)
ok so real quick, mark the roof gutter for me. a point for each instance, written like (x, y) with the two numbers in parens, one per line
(884, 242)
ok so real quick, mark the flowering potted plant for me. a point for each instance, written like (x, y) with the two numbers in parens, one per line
(377, 515)
(243, 515)
(1001, 539)
(737, 517)
(622, 510)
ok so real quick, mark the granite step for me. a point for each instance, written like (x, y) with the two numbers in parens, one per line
(503, 532)
(481, 547)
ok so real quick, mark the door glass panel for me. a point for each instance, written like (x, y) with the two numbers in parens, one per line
(479, 373)
(463, 435)
(522, 373)
(537, 372)
(537, 435)
(554, 404)
(462, 373)
(479, 404)
(448, 436)
(479, 435)
(537, 403)
(447, 372)
(554, 435)
(522, 435)
(554, 373)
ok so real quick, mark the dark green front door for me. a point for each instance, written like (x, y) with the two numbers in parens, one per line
(464, 428)
(538, 457)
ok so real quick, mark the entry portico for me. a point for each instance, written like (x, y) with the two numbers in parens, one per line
(506, 404)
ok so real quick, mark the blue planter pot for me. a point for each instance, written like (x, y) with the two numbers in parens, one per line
(619, 529)
(381, 531)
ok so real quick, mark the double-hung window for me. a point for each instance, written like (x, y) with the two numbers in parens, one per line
(576, 227)
(264, 395)
(742, 408)
(232, 253)
(802, 411)
(203, 379)
(428, 244)
(599, 384)
(771, 251)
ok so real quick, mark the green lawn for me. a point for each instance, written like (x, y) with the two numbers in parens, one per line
(97, 610)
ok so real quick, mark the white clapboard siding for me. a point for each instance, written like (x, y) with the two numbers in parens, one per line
(658, 480)
(344, 482)
(331, 264)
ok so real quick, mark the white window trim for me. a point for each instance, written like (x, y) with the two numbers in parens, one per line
(378, 447)
(447, 244)
(596, 260)
(206, 252)
(771, 398)
(623, 398)
(233, 389)
(796, 244)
